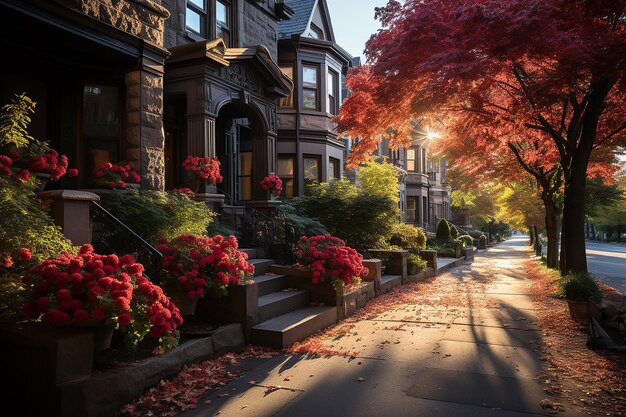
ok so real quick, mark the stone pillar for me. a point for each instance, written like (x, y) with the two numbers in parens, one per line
(469, 254)
(200, 126)
(71, 212)
(145, 139)
(374, 267)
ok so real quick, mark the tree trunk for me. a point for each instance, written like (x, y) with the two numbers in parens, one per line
(573, 252)
(532, 236)
(537, 242)
(552, 222)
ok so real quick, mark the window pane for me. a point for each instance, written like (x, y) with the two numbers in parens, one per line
(192, 20)
(331, 84)
(311, 169)
(410, 153)
(309, 99)
(222, 12)
(199, 3)
(309, 77)
(410, 165)
(100, 111)
(285, 167)
(410, 203)
(288, 188)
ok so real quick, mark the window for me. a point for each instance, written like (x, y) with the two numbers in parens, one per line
(333, 169)
(195, 16)
(209, 19)
(245, 176)
(222, 21)
(286, 174)
(310, 87)
(311, 170)
(411, 209)
(316, 32)
(101, 123)
(333, 92)
(287, 102)
(411, 159)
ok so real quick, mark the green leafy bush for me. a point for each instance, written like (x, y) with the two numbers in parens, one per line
(156, 214)
(578, 286)
(361, 219)
(454, 232)
(466, 240)
(443, 230)
(407, 236)
(445, 248)
(302, 224)
(414, 264)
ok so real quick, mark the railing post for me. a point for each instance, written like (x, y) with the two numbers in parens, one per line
(71, 212)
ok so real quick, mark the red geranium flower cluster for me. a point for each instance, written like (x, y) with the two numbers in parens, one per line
(89, 289)
(199, 263)
(329, 258)
(53, 163)
(203, 168)
(116, 175)
(272, 183)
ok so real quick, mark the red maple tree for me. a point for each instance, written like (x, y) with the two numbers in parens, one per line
(546, 72)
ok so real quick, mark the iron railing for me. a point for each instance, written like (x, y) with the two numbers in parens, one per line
(255, 229)
(111, 236)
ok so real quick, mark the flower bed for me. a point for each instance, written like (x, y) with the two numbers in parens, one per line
(89, 289)
(273, 184)
(116, 175)
(200, 263)
(329, 259)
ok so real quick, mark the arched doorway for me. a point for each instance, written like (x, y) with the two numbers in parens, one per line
(242, 149)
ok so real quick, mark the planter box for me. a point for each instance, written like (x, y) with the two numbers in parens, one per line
(321, 293)
(354, 298)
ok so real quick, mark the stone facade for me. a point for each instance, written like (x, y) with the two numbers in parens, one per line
(142, 18)
(258, 26)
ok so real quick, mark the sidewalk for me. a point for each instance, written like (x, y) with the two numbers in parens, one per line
(461, 344)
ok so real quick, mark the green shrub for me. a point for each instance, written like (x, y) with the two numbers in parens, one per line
(445, 248)
(467, 240)
(407, 236)
(443, 230)
(578, 286)
(454, 232)
(156, 214)
(362, 220)
(414, 264)
(302, 224)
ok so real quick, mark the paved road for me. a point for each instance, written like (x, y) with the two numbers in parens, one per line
(608, 263)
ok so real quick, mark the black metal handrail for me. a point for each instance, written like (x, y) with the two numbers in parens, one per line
(110, 235)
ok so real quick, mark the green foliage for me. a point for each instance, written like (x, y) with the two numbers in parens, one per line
(361, 219)
(407, 236)
(454, 232)
(156, 214)
(443, 230)
(381, 179)
(14, 121)
(414, 264)
(302, 224)
(578, 286)
(467, 240)
(445, 248)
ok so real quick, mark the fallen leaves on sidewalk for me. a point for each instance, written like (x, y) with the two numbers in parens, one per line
(594, 380)
(182, 393)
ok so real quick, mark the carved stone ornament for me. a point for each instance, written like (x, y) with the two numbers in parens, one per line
(244, 77)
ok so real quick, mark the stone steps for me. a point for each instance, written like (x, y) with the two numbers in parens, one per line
(281, 302)
(388, 282)
(286, 329)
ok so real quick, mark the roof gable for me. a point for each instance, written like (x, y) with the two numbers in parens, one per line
(310, 17)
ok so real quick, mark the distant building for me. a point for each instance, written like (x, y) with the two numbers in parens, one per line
(308, 147)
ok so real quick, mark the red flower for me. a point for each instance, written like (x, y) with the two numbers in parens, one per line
(116, 175)
(25, 254)
(203, 168)
(72, 172)
(272, 183)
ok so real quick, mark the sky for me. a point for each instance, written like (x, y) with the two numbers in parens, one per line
(353, 23)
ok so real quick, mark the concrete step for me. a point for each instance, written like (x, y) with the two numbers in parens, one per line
(387, 282)
(252, 252)
(270, 283)
(280, 302)
(261, 266)
(284, 330)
